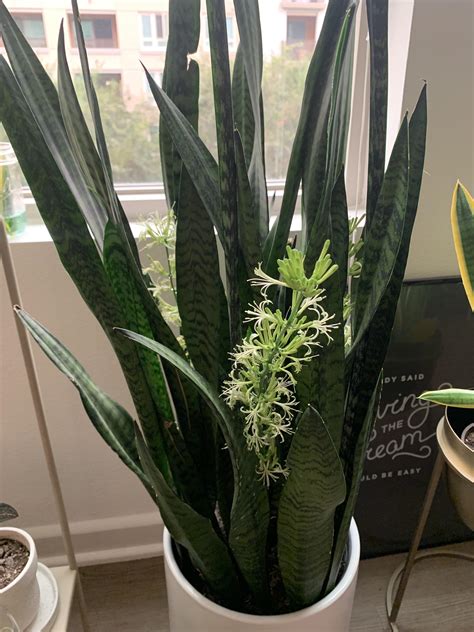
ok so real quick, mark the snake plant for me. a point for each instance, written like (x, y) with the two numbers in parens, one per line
(462, 224)
(258, 505)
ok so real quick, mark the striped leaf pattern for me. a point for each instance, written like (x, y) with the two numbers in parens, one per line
(315, 487)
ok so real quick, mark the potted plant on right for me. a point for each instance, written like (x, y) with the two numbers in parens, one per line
(19, 588)
(455, 432)
(252, 425)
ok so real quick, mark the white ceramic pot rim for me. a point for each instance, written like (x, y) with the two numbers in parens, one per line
(12, 533)
(292, 617)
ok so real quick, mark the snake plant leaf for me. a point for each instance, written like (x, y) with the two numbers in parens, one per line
(199, 286)
(315, 487)
(194, 154)
(456, 397)
(366, 358)
(385, 235)
(92, 100)
(314, 113)
(250, 507)
(377, 18)
(462, 223)
(329, 148)
(248, 217)
(180, 78)
(340, 229)
(76, 126)
(116, 211)
(69, 231)
(42, 99)
(195, 532)
(221, 82)
(345, 512)
(250, 33)
(111, 420)
(242, 106)
(121, 276)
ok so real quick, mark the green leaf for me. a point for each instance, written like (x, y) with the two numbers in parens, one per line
(456, 397)
(41, 96)
(180, 81)
(122, 279)
(250, 507)
(385, 235)
(329, 148)
(248, 217)
(194, 154)
(314, 112)
(377, 18)
(315, 487)
(7, 512)
(199, 285)
(218, 44)
(208, 552)
(250, 47)
(242, 106)
(69, 231)
(111, 420)
(353, 477)
(340, 230)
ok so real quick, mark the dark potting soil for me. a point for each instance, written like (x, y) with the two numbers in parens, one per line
(13, 558)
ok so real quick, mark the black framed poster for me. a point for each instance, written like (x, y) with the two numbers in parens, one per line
(432, 346)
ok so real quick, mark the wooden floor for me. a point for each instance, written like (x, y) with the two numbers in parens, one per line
(131, 596)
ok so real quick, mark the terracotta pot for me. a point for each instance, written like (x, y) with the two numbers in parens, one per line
(189, 611)
(21, 597)
(459, 459)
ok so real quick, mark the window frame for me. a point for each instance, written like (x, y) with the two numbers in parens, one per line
(91, 15)
(157, 44)
(29, 14)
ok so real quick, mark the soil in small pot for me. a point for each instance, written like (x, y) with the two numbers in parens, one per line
(13, 559)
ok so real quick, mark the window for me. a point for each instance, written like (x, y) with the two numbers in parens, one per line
(301, 31)
(32, 27)
(153, 29)
(99, 31)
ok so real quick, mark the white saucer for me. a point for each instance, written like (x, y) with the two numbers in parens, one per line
(49, 601)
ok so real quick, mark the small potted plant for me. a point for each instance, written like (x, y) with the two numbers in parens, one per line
(253, 420)
(19, 589)
(456, 431)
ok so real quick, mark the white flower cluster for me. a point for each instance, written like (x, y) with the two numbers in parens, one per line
(263, 377)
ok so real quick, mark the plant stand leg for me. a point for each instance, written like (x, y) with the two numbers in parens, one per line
(428, 501)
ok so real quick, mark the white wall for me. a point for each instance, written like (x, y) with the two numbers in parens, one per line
(111, 515)
(442, 53)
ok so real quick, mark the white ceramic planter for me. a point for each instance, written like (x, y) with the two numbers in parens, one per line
(189, 611)
(21, 597)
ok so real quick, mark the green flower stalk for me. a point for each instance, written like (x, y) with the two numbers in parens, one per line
(262, 380)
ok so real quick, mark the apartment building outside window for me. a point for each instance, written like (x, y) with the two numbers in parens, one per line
(32, 27)
(100, 31)
(301, 31)
(153, 31)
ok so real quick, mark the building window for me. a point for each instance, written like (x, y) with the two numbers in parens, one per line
(301, 31)
(100, 31)
(32, 27)
(153, 29)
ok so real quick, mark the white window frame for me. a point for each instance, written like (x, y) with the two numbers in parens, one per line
(156, 43)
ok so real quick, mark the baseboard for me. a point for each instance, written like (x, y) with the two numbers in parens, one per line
(102, 540)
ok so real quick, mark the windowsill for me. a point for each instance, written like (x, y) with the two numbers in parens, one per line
(98, 51)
